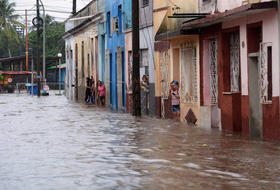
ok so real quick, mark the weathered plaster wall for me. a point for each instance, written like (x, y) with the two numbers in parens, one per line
(70, 72)
(90, 9)
(100, 6)
(207, 6)
(187, 6)
(159, 11)
(146, 14)
(88, 36)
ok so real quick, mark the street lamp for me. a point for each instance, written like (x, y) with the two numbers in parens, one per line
(59, 55)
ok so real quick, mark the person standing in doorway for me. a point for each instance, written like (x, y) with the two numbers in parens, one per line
(175, 99)
(88, 90)
(92, 98)
(101, 93)
(146, 88)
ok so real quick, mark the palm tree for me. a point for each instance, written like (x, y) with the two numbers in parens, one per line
(8, 22)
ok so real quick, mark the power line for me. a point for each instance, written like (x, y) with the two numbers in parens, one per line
(48, 10)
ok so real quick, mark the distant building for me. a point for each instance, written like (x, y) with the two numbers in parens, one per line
(53, 74)
(13, 71)
(81, 41)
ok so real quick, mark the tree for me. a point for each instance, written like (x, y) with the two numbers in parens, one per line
(54, 42)
(8, 22)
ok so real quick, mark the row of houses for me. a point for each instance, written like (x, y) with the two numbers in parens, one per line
(224, 53)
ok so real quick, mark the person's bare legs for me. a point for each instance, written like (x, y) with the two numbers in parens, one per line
(178, 115)
(103, 102)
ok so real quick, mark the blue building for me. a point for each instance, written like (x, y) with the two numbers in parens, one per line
(102, 38)
(115, 54)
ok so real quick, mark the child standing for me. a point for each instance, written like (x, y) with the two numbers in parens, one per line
(101, 92)
(175, 98)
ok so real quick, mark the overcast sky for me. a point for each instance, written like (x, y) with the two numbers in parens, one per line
(64, 6)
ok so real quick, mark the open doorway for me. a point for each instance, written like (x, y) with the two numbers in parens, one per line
(76, 73)
(254, 38)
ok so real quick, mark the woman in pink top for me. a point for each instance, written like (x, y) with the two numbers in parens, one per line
(101, 92)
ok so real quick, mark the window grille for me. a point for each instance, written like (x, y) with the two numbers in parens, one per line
(163, 59)
(115, 24)
(189, 74)
(213, 71)
(234, 62)
(265, 72)
(129, 84)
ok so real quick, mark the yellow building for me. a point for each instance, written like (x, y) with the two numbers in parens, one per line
(176, 58)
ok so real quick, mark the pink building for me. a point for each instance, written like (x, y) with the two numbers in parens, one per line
(239, 66)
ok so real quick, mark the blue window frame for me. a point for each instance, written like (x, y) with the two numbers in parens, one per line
(120, 18)
(108, 21)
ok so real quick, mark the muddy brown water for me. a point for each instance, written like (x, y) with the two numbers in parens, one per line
(50, 143)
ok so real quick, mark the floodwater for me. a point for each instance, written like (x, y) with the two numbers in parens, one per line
(49, 143)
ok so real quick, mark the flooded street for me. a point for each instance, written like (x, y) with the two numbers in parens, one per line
(50, 143)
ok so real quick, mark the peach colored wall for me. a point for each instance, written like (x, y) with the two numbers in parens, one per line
(270, 23)
(128, 47)
(206, 74)
(160, 3)
(158, 16)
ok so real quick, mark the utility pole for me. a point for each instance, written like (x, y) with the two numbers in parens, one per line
(44, 43)
(74, 7)
(32, 76)
(136, 96)
(26, 41)
(38, 50)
